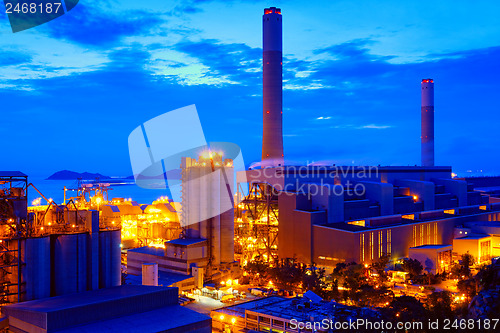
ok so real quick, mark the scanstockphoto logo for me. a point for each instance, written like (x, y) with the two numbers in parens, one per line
(170, 152)
(27, 14)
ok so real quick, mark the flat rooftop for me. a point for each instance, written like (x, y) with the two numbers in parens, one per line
(164, 278)
(474, 236)
(433, 247)
(286, 308)
(160, 320)
(12, 174)
(127, 308)
(186, 241)
(155, 251)
(57, 303)
(405, 221)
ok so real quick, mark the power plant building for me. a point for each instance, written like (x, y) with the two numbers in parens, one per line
(54, 251)
(388, 210)
(205, 250)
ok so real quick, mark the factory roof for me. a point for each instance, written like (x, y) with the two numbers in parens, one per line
(12, 174)
(159, 320)
(113, 208)
(186, 241)
(117, 309)
(346, 226)
(165, 279)
(474, 236)
(57, 303)
(155, 251)
(287, 308)
(432, 246)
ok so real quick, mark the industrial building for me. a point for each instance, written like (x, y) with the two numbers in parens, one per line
(434, 258)
(116, 309)
(52, 250)
(205, 249)
(330, 214)
(277, 314)
(143, 225)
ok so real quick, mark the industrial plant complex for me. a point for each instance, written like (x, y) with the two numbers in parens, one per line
(96, 263)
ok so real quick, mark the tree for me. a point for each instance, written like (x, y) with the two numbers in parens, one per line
(486, 277)
(351, 276)
(439, 305)
(258, 269)
(468, 288)
(287, 274)
(412, 266)
(379, 267)
(467, 261)
(407, 309)
(314, 280)
(374, 296)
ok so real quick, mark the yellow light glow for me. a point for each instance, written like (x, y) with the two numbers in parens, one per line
(233, 320)
(415, 197)
(221, 317)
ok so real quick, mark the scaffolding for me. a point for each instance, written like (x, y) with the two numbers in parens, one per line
(13, 227)
(256, 224)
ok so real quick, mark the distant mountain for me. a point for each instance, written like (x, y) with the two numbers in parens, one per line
(71, 175)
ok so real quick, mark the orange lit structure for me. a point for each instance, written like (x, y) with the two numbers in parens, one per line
(256, 225)
(52, 249)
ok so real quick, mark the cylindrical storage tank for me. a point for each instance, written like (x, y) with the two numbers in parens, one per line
(150, 274)
(36, 271)
(109, 258)
(70, 263)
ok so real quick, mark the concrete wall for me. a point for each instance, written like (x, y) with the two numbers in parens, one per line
(424, 190)
(334, 246)
(381, 193)
(330, 198)
(456, 187)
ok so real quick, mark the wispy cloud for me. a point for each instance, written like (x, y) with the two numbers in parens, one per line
(373, 126)
(92, 26)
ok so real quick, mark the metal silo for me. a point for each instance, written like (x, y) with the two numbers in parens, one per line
(109, 258)
(70, 263)
(36, 271)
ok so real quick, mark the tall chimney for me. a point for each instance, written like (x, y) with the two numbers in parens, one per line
(427, 122)
(272, 138)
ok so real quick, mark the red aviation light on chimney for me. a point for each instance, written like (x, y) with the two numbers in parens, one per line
(272, 10)
(428, 81)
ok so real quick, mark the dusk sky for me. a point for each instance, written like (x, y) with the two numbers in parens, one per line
(73, 89)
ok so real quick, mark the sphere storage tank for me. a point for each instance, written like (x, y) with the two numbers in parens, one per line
(70, 263)
(109, 258)
(36, 271)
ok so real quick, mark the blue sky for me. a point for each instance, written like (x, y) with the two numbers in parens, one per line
(73, 89)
